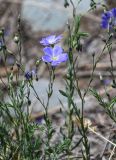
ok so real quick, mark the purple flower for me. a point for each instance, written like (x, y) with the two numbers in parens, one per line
(39, 120)
(106, 81)
(30, 74)
(54, 55)
(114, 12)
(109, 19)
(50, 40)
(105, 19)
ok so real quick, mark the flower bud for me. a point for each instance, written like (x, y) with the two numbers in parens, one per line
(66, 4)
(18, 65)
(29, 102)
(38, 62)
(16, 39)
(1, 32)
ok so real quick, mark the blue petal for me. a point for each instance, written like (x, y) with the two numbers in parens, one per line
(55, 63)
(63, 57)
(114, 12)
(48, 51)
(58, 38)
(57, 50)
(50, 38)
(46, 58)
(108, 15)
(28, 75)
(104, 24)
(44, 42)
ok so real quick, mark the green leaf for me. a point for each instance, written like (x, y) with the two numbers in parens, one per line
(77, 23)
(63, 93)
(83, 34)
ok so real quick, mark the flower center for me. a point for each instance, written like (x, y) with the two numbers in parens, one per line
(54, 58)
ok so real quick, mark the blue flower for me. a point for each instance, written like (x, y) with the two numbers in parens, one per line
(30, 74)
(109, 19)
(39, 120)
(50, 40)
(106, 81)
(105, 19)
(114, 12)
(55, 55)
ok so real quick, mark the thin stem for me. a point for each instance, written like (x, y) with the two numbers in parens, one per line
(74, 9)
(19, 43)
(37, 96)
(112, 153)
(111, 61)
(94, 66)
(102, 136)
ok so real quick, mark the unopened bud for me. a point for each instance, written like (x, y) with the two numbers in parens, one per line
(66, 4)
(18, 65)
(38, 62)
(37, 78)
(29, 102)
(93, 54)
(1, 32)
(68, 25)
(16, 39)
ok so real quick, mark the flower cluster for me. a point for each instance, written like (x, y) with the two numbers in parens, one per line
(53, 54)
(109, 19)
